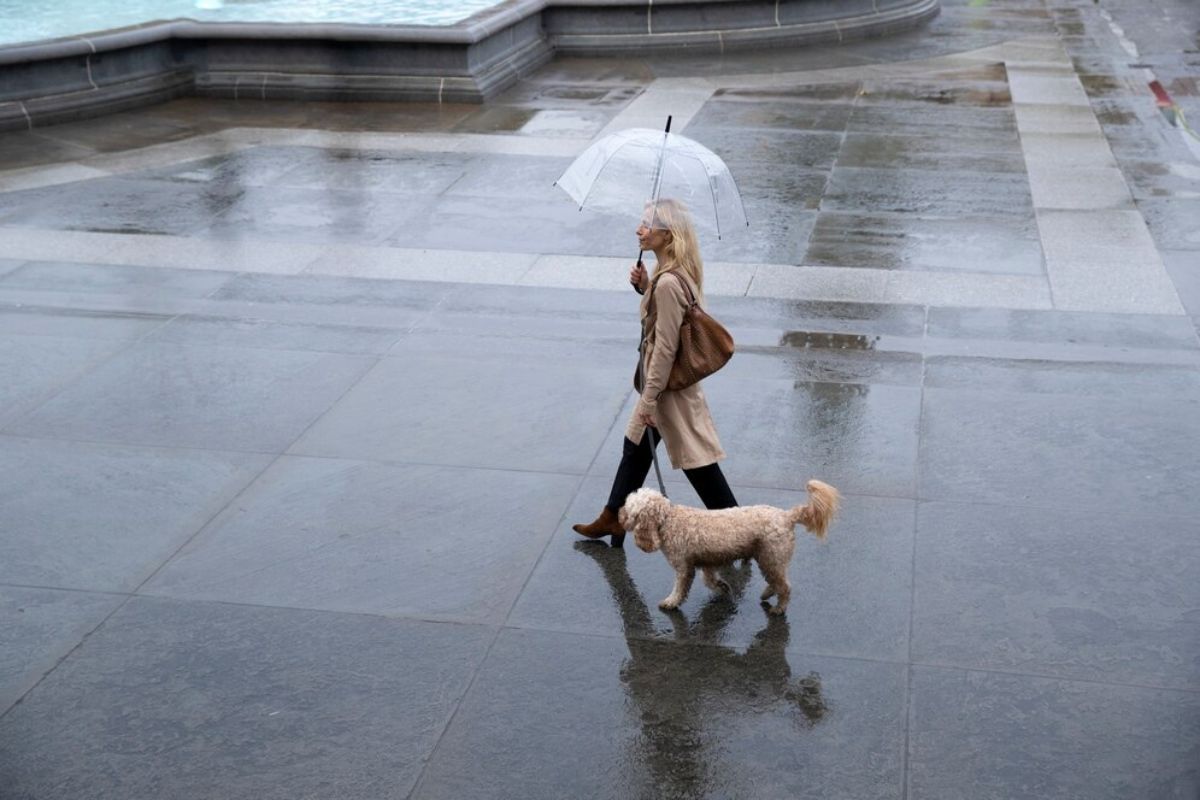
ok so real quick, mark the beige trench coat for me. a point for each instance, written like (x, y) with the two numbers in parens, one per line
(682, 416)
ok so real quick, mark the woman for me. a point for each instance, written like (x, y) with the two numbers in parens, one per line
(681, 418)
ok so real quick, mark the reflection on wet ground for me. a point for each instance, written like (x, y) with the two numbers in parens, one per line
(805, 158)
(675, 715)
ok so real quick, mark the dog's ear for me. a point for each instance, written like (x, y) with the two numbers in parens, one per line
(645, 533)
(649, 512)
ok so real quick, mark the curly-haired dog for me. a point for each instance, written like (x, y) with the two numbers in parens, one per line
(691, 537)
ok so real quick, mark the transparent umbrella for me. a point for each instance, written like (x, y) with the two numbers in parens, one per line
(625, 170)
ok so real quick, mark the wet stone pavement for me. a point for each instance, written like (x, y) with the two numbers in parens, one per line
(299, 402)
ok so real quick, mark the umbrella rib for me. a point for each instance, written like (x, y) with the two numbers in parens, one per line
(599, 172)
(716, 211)
(712, 193)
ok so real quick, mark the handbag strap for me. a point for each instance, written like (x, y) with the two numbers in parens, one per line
(687, 285)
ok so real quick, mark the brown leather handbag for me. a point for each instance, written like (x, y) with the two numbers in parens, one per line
(704, 345)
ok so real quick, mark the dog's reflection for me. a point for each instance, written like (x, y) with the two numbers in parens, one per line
(677, 681)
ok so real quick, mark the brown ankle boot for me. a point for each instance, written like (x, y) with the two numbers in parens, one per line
(605, 525)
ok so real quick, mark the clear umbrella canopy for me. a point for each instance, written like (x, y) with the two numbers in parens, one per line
(624, 171)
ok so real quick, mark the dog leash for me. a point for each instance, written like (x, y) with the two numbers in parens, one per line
(654, 455)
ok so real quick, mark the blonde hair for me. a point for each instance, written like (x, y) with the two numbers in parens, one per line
(683, 251)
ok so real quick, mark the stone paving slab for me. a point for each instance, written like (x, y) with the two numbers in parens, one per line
(984, 446)
(988, 731)
(167, 395)
(1077, 242)
(992, 593)
(345, 549)
(104, 517)
(625, 704)
(287, 702)
(35, 367)
(38, 627)
(389, 413)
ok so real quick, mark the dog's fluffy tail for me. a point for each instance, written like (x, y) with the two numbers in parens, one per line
(822, 507)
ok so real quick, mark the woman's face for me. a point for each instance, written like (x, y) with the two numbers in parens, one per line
(651, 238)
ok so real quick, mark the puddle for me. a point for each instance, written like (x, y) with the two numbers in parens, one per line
(1115, 117)
(497, 119)
(1100, 85)
(825, 92)
(942, 96)
(562, 123)
(812, 340)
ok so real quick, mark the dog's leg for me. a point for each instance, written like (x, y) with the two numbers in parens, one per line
(785, 594)
(714, 581)
(683, 584)
(777, 584)
(768, 592)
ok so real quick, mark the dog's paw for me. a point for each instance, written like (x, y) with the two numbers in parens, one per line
(669, 604)
(776, 611)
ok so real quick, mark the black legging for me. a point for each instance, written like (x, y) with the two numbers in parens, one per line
(708, 481)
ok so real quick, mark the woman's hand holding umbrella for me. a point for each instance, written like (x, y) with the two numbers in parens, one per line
(638, 278)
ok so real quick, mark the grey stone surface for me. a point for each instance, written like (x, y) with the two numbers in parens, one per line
(998, 244)
(224, 398)
(1184, 268)
(665, 717)
(283, 704)
(35, 367)
(898, 151)
(377, 171)
(1118, 331)
(920, 192)
(1049, 436)
(1079, 187)
(773, 116)
(1077, 242)
(104, 518)
(1057, 739)
(1004, 609)
(118, 205)
(272, 335)
(385, 539)
(1173, 222)
(407, 301)
(1088, 150)
(253, 166)
(93, 325)
(982, 126)
(778, 433)
(482, 223)
(1055, 592)
(40, 626)
(311, 215)
(860, 437)
(130, 281)
(459, 411)
(763, 151)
